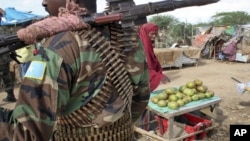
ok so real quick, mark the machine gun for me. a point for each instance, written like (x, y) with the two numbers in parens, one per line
(10, 43)
(123, 11)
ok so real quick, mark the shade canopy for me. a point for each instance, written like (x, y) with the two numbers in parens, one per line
(14, 17)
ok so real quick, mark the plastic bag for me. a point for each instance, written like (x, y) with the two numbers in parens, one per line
(241, 87)
(25, 53)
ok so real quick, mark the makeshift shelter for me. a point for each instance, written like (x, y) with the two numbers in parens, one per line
(14, 19)
(230, 43)
(210, 41)
(244, 30)
(214, 42)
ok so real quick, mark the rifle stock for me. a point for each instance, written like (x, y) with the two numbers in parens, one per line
(124, 11)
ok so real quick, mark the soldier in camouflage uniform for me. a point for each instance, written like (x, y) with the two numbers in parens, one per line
(79, 88)
(6, 76)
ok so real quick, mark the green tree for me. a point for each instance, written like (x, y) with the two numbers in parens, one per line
(173, 28)
(230, 18)
(163, 21)
(165, 24)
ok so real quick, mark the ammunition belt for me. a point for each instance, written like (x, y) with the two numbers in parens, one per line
(121, 130)
(117, 77)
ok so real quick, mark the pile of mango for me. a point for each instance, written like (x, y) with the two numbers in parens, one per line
(174, 98)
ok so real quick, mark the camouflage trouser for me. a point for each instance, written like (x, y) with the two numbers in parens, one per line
(7, 79)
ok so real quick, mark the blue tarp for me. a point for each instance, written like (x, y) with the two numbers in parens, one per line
(14, 17)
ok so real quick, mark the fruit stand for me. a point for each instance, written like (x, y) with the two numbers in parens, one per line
(168, 128)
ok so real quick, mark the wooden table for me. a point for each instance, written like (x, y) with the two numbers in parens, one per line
(170, 114)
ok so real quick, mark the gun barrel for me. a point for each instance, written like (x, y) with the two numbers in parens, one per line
(136, 14)
(170, 5)
(187, 3)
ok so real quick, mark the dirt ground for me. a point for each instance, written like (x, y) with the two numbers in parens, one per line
(216, 75)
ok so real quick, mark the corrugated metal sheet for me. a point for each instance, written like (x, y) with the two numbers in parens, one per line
(201, 40)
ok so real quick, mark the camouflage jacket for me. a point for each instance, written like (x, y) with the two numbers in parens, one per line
(57, 81)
